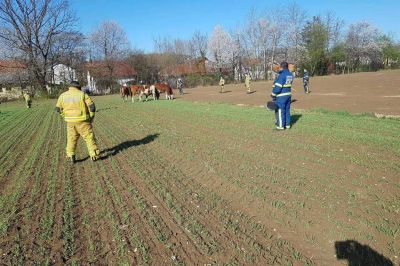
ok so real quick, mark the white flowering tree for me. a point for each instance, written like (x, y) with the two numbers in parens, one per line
(363, 45)
(221, 46)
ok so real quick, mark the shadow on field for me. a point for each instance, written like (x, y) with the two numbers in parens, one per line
(126, 145)
(251, 92)
(107, 153)
(107, 108)
(295, 118)
(358, 254)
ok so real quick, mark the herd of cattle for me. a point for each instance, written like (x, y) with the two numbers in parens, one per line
(146, 90)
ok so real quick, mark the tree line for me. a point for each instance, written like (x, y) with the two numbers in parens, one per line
(42, 33)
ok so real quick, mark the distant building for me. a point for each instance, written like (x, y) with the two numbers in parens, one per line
(13, 73)
(62, 74)
(98, 71)
(13, 78)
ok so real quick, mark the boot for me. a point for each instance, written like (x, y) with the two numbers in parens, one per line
(71, 159)
(96, 156)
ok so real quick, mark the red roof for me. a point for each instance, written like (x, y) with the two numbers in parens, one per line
(121, 69)
(11, 66)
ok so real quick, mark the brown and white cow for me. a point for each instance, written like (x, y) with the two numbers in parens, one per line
(162, 87)
(135, 90)
(147, 91)
(143, 90)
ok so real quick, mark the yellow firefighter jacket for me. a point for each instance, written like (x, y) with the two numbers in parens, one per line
(247, 80)
(27, 97)
(75, 106)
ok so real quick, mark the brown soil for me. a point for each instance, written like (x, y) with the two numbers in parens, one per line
(198, 188)
(376, 92)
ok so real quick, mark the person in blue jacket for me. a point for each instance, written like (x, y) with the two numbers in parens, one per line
(282, 95)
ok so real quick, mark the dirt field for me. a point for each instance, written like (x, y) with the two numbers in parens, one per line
(183, 183)
(376, 92)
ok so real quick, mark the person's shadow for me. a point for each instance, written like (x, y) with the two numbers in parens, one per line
(126, 145)
(106, 108)
(295, 118)
(109, 152)
(357, 254)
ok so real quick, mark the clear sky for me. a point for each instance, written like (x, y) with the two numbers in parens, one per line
(146, 20)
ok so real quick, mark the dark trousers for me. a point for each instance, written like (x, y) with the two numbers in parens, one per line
(283, 118)
(306, 88)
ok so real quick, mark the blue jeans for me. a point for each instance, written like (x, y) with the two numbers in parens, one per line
(283, 113)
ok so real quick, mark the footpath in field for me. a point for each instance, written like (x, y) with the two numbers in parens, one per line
(370, 92)
(194, 183)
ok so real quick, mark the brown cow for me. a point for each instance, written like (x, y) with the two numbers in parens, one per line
(125, 93)
(162, 87)
(135, 90)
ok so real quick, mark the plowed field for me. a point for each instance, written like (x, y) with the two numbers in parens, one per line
(369, 92)
(198, 184)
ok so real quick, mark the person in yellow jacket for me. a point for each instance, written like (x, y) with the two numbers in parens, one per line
(221, 84)
(247, 82)
(78, 111)
(28, 99)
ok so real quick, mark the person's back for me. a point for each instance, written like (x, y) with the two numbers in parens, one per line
(180, 85)
(28, 99)
(281, 94)
(247, 82)
(221, 84)
(78, 110)
(306, 77)
(306, 80)
(247, 79)
(74, 103)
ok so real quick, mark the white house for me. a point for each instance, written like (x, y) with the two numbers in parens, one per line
(62, 74)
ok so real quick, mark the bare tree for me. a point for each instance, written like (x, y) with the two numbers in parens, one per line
(69, 49)
(251, 36)
(296, 18)
(199, 42)
(263, 28)
(109, 44)
(31, 30)
(109, 41)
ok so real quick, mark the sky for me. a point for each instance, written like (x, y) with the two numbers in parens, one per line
(146, 20)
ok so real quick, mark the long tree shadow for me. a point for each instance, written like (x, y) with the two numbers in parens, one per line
(357, 254)
(126, 145)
